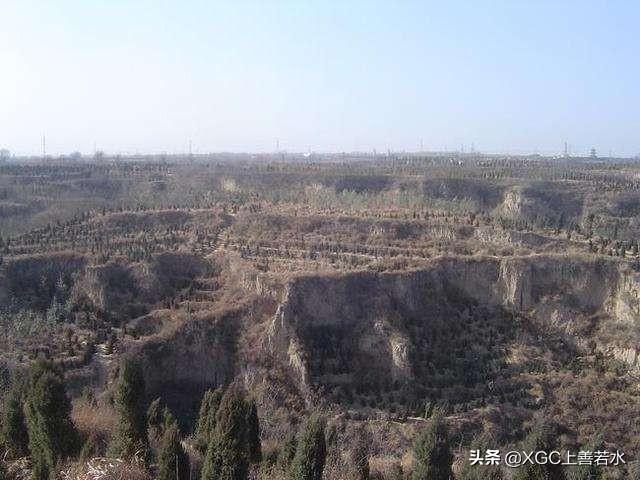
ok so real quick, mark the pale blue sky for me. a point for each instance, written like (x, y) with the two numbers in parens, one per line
(148, 76)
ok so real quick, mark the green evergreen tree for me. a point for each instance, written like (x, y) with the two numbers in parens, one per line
(287, 453)
(89, 447)
(52, 435)
(207, 418)
(173, 463)
(254, 449)
(168, 420)
(14, 428)
(588, 472)
(226, 457)
(155, 421)
(540, 439)
(432, 451)
(130, 439)
(311, 452)
(468, 471)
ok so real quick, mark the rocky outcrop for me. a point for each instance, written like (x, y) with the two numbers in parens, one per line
(626, 303)
(628, 356)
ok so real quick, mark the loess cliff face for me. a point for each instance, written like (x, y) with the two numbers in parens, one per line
(470, 334)
(539, 200)
(460, 329)
(450, 331)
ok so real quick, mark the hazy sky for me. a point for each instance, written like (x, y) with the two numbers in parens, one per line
(336, 75)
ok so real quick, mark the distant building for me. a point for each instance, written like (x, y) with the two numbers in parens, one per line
(593, 153)
(4, 155)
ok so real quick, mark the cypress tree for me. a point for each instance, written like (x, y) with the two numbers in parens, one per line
(588, 472)
(89, 447)
(155, 421)
(481, 472)
(207, 418)
(287, 453)
(432, 452)
(540, 439)
(52, 435)
(14, 427)
(168, 420)
(131, 434)
(226, 457)
(173, 463)
(254, 449)
(311, 453)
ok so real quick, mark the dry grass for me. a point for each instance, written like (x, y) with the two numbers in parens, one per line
(19, 469)
(105, 469)
(96, 421)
